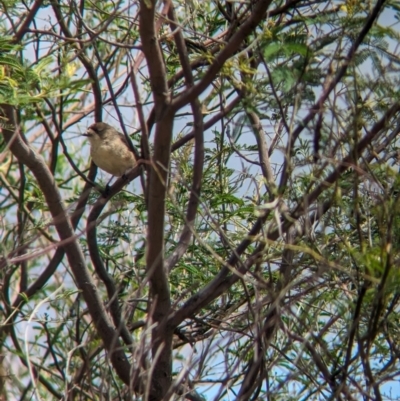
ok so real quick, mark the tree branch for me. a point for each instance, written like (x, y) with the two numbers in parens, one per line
(194, 197)
(256, 16)
(46, 183)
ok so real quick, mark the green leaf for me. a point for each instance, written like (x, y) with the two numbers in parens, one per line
(11, 61)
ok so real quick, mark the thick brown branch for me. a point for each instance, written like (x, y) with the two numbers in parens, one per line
(162, 335)
(257, 15)
(157, 189)
(25, 25)
(46, 183)
(154, 58)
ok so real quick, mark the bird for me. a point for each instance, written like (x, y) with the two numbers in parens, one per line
(109, 149)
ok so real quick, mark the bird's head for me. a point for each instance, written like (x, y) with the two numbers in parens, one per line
(99, 131)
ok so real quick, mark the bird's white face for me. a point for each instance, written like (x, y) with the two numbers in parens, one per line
(100, 131)
(100, 135)
(93, 136)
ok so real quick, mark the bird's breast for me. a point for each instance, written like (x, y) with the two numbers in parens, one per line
(113, 157)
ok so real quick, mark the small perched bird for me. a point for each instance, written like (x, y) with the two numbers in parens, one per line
(109, 149)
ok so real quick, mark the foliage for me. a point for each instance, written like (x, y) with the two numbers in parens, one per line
(253, 254)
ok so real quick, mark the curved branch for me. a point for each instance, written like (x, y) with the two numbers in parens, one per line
(85, 61)
(24, 27)
(98, 264)
(208, 124)
(194, 197)
(157, 188)
(257, 15)
(59, 254)
(62, 222)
